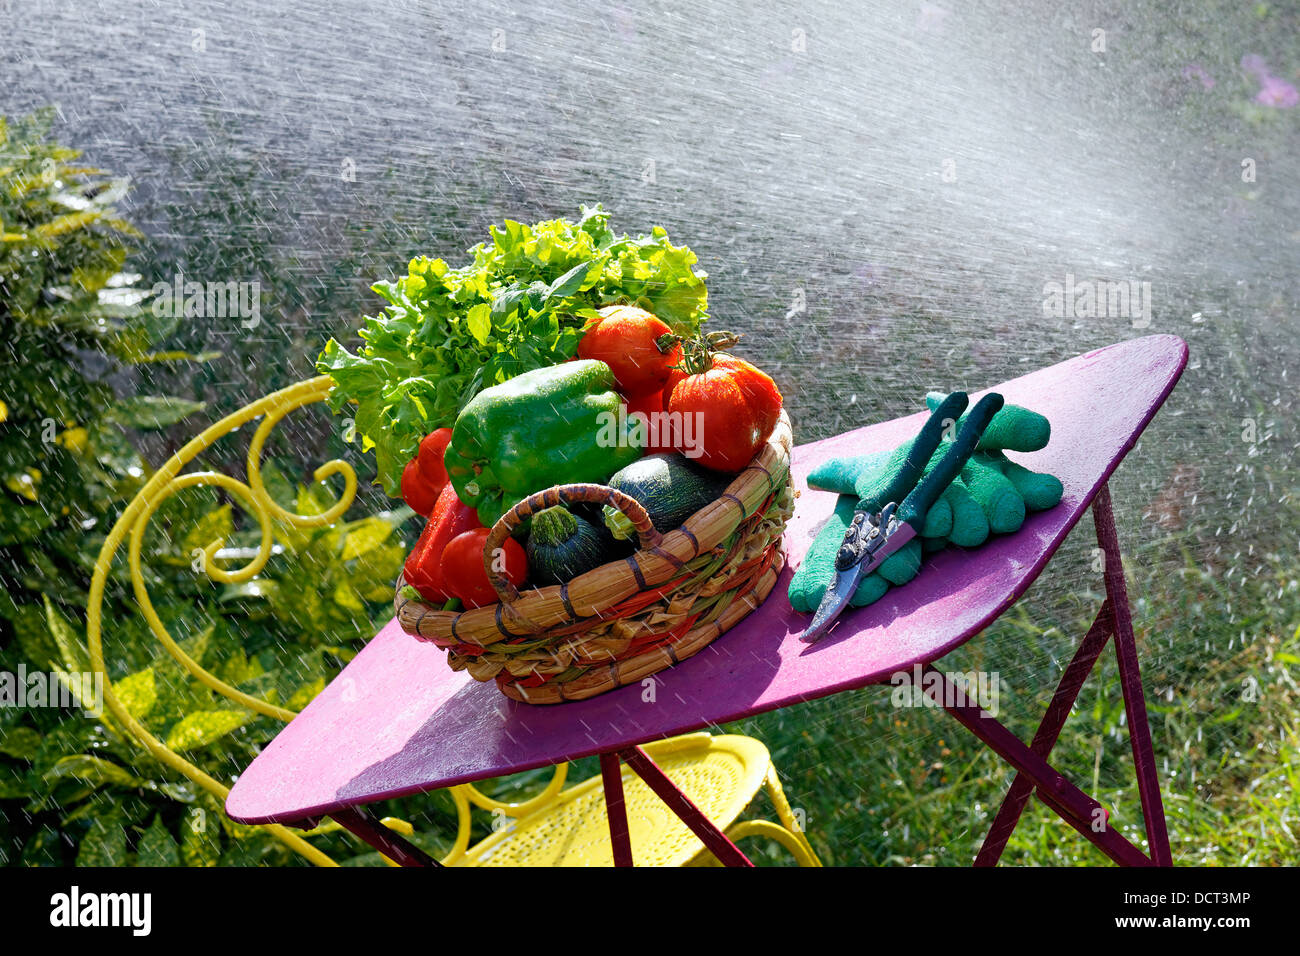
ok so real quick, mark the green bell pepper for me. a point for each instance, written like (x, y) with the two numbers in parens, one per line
(551, 426)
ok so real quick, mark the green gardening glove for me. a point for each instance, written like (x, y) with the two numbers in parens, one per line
(992, 495)
(818, 568)
(1004, 489)
(1013, 427)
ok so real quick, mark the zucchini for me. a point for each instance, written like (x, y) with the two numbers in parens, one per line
(670, 487)
(562, 545)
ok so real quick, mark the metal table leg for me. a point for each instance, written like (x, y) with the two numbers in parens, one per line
(683, 807)
(1070, 803)
(615, 809)
(1135, 707)
(1067, 691)
(1114, 619)
(390, 844)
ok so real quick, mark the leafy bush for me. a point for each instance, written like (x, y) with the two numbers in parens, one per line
(70, 319)
(75, 787)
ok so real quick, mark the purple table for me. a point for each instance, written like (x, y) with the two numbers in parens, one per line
(398, 722)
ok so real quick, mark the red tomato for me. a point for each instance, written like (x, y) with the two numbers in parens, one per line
(430, 456)
(659, 436)
(733, 408)
(462, 567)
(416, 492)
(626, 339)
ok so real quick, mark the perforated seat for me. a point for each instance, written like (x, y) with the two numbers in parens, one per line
(721, 775)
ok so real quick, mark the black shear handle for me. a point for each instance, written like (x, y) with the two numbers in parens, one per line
(917, 504)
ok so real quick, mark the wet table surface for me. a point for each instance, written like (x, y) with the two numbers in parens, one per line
(397, 721)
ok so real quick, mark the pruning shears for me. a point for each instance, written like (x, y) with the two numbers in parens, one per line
(872, 535)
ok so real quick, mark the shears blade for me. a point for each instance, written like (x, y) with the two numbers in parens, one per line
(874, 549)
(833, 602)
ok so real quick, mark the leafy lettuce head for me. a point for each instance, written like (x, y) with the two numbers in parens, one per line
(446, 334)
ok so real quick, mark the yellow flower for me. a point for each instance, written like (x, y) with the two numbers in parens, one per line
(73, 439)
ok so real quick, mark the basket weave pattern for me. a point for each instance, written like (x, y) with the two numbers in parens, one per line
(627, 619)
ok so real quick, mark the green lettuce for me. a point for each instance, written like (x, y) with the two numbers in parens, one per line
(446, 334)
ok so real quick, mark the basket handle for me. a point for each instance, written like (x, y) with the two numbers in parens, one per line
(647, 535)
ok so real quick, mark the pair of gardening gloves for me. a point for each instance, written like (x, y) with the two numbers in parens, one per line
(991, 496)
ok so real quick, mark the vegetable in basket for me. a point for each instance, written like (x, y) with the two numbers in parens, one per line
(463, 572)
(563, 545)
(425, 475)
(727, 408)
(424, 565)
(551, 426)
(658, 431)
(670, 487)
(522, 303)
(640, 348)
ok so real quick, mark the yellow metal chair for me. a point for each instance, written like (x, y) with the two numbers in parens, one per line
(557, 827)
(720, 774)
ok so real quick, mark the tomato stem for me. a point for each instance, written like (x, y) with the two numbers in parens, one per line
(666, 342)
(697, 354)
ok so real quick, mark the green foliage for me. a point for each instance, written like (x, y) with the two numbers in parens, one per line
(447, 334)
(69, 318)
(83, 772)
(157, 847)
(104, 844)
(200, 840)
(324, 584)
(271, 637)
(75, 787)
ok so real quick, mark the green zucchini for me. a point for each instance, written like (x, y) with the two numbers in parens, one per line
(670, 487)
(562, 545)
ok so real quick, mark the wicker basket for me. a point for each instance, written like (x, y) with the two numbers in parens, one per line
(627, 619)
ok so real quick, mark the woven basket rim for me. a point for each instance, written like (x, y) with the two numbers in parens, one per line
(418, 618)
(609, 676)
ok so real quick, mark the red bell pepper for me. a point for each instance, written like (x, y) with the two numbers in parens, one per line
(425, 475)
(450, 517)
(430, 457)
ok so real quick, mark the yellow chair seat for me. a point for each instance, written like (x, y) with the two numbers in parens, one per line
(721, 775)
